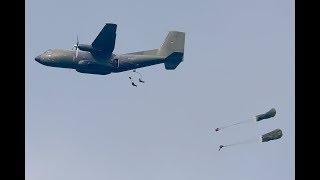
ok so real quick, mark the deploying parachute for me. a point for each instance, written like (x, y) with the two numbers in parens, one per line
(271, 113)
(273, 135)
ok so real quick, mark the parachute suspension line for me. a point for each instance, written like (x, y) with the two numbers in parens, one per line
(253, 140)
(234, 124)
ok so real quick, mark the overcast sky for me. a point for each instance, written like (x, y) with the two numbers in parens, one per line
(239, 62)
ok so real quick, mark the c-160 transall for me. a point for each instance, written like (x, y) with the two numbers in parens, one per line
(98, 58)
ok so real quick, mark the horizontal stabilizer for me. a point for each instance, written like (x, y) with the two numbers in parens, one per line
(173, 60)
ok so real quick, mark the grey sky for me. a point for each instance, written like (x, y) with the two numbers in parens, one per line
(239, 61)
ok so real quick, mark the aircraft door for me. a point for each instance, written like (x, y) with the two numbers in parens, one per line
(115, 63)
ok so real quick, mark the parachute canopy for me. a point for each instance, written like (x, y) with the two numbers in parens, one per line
(271, 113)
(275, 134)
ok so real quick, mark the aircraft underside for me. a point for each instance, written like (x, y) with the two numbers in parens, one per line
(92, 67)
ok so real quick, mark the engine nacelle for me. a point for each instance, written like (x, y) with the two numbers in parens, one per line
(86, 47)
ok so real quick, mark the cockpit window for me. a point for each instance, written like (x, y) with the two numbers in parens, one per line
(48, 52)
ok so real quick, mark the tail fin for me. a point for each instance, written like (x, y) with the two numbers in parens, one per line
(173, 49)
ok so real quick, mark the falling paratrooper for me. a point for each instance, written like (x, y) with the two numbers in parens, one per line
(140, 78)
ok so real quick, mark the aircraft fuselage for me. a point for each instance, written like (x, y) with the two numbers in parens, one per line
(85, 62)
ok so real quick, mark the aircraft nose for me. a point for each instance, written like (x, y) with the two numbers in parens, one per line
(38, 59)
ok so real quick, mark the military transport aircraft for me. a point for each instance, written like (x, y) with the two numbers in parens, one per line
(98, 58)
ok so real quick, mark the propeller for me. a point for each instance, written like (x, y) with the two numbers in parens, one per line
(76, 46)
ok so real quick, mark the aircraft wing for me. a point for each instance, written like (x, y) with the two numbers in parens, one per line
(106, 39)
